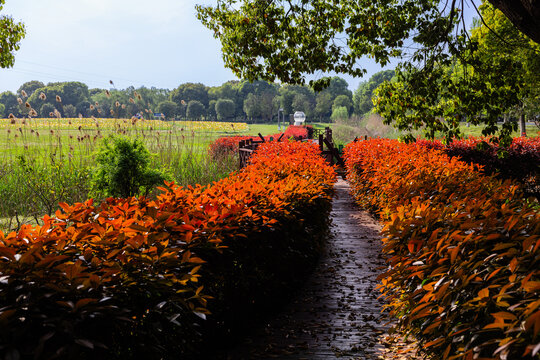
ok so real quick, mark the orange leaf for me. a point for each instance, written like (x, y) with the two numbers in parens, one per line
(453, 254)
(484, 293)
(435, 343)
(513, 264)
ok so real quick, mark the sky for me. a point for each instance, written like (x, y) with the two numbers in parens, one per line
(157, 43)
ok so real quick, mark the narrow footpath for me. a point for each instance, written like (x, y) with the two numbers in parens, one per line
(337, 315)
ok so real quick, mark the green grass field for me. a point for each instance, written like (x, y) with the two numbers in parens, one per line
(46, 161)
(532, 130)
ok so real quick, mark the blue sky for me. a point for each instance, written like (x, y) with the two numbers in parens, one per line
(156, 43)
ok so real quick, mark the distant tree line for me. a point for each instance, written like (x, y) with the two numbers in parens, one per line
(73, 99)
(257, 101)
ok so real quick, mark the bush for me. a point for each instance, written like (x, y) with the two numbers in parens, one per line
(520, 161)
(122, 168)
(133, 278)
(228, 145)
(295, 132)
(463, 250)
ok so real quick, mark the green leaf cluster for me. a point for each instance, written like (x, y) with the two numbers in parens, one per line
(11, 34)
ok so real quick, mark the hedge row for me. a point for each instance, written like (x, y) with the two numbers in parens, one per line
(463, 250)
(227, 145)
(133, 278)
(520, 161)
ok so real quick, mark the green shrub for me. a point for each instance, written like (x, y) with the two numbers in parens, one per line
(123, 168)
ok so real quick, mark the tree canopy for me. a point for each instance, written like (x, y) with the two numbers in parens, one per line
(257, 101)
(495, 72)
(224, 109)
(364, 93)
(167, 108)
(291, 40)
(11, 33)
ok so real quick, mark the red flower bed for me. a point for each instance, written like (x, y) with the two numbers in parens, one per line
(463, 250)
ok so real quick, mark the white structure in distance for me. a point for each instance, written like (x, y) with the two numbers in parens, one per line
(299, 118)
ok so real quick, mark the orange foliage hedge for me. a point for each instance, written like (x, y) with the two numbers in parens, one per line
(131, 278)
(463, 250)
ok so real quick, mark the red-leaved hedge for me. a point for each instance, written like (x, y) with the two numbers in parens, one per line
(463, 250)
(227, 145)
(520, 161)
(296, 132)
(132, 278)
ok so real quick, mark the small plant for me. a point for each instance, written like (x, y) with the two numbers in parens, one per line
(123, 168)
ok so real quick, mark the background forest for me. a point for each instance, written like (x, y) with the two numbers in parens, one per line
(254, 102)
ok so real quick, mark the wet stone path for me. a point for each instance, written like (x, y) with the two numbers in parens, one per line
(337, 315)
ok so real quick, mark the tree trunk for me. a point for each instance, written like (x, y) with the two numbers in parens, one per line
(524, 14)
(522, 125)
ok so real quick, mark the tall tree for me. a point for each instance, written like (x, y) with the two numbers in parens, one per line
(195, 110)
(58, 94)
(288, 40)
(167, 108)
(362, 97)
(497, 39)
(46, 110)
(29, 87)
(304, 103)
(211, 110)
(228, 90)
(70, 111)
(10, 102)
(11, 33)
(251, 106)
(481, 83)
(338, 86)
(323, 107)
(225, 109)
(73, 92)
(342, 101)
(83, 108)
(184, 93)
